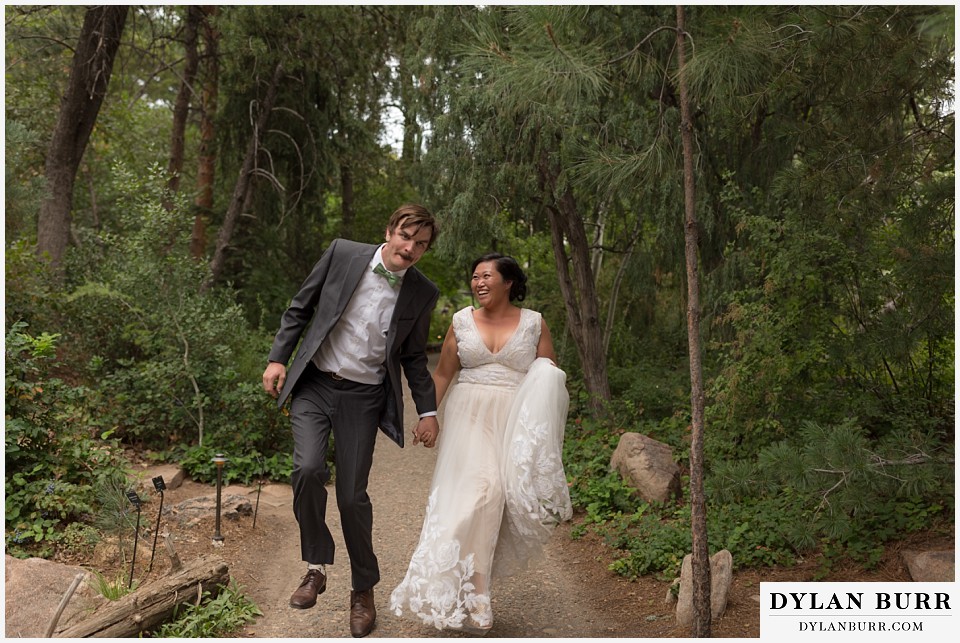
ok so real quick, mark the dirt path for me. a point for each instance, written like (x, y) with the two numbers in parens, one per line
(547, 601)
(544, 602)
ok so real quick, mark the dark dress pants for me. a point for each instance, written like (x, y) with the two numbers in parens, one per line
(350, 410)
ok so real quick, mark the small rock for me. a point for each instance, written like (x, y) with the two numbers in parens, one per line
(173, 476)
(721, 577)
(930, 566)
(191, 511)
(672, 592)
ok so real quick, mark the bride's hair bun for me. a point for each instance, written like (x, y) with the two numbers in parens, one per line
(510, 270)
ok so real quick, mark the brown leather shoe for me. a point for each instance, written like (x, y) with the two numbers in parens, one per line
(363, 613)
(311, 586)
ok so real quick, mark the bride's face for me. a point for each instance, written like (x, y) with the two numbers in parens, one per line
(488, 285)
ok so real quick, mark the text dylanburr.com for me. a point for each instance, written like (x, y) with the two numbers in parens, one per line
(858, 611)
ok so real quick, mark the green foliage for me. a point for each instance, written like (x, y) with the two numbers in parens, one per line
(116, 515)
(241, 468)
(30, 295)
(827, 490)
(112, 590)
(827, 324)
(56, 454)
(181, 366)
(652, 545)
(79, 539)
(832, 487)
(593, 487)
(213, 617)
(760, 533)
(648, 390)
(656, 541)
(23, 187)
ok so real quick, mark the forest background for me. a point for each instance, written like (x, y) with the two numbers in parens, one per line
(172, 173)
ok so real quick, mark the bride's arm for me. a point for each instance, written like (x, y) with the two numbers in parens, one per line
(448, 365)
(545, 346)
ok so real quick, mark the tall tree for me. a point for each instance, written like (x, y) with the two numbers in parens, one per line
(571, 248)
(700, 561)
(241, 190)
(207, 156)
(181, 106)
(86, 88)
(514, 109)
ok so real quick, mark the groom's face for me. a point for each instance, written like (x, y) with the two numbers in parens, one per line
(405, 246)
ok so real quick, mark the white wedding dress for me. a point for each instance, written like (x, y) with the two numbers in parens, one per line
(499, 487)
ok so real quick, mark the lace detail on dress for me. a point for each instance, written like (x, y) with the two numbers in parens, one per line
(536, 495)
(439, 579)
(507, 366)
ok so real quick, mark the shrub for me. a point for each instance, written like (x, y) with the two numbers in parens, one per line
(56, 454)
(831, 489)
(215, 617)
(178, 364)
(593, 486)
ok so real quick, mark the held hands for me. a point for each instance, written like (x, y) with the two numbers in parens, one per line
(273, 378)
(426, 432)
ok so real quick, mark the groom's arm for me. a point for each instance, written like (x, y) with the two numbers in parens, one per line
(301, 310)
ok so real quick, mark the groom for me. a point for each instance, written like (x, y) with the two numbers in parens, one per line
(363, 313)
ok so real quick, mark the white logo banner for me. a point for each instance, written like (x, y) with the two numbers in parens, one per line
(858, 611)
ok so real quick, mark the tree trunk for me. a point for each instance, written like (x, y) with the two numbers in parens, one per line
(347, 213)
(235, 209)
(579, 293)
(409, 151)
(618, 281)
(86, 89)
(207, 156)
(181, 107)
(700, 559)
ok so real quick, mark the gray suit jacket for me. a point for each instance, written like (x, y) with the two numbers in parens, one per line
(317, 307)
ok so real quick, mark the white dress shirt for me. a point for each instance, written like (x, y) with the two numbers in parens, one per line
(356, 348)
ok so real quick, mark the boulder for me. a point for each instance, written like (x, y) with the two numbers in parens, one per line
(721, 577)
(173, 477)
(930, 566)
(34, 588)
(190, 512)
(647, 465)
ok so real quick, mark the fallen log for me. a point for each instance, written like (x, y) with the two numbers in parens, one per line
(154, 604)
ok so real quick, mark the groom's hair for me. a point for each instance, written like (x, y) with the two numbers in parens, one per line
(510, 270)
(413, 215)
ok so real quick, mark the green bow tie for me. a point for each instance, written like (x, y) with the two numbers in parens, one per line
(389, 276)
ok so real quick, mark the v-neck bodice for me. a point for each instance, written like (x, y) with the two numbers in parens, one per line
(508, 365)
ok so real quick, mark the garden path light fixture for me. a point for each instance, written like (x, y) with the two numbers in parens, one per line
(159, 485)
(135, 500)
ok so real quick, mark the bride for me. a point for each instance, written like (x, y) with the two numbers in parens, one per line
(499, 487)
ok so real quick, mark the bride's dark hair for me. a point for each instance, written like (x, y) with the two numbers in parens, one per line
(510, 270)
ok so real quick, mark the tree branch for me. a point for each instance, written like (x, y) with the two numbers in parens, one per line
(636, 47)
